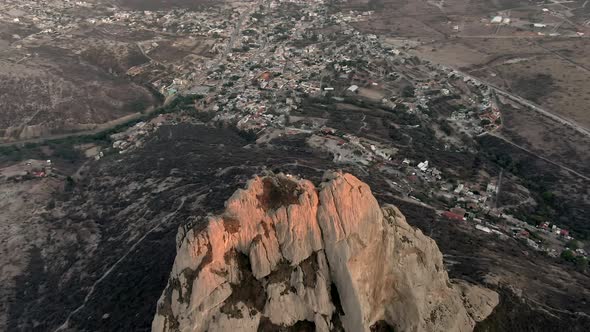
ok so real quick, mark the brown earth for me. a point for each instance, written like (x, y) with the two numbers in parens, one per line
(55, 92)
(163, 4)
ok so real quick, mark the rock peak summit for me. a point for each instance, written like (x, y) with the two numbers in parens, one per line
(287, 255)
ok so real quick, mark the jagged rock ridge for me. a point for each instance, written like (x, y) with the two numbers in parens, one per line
(287, 254)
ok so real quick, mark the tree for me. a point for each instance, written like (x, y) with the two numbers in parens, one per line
(446, 127)
(408, 91)
(138, 105)
(574, 244)
(581, 263)
(568, 255)
(66, 151)
(51, 205)
(548, 197)
(69, 184)
(248, 135)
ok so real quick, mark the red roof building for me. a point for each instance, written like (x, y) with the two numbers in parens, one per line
(452, 216)
(265, 76)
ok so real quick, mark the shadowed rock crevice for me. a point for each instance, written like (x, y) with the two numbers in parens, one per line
(302, 326)
(382, 326)
(335, 297)
(249, 291)
(278, 192)
(309, 268)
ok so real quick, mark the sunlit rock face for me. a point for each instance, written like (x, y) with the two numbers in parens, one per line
(287, 255)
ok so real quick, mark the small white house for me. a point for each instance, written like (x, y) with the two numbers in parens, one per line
(353, 88)
(497, 19)
(423, 166)
(483, 228)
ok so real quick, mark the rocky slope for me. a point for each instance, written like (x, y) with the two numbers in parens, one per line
(285, 254)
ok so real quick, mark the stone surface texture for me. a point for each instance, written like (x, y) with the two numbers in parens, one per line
(287, 255)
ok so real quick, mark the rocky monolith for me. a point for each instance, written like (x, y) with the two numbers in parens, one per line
(287, 254)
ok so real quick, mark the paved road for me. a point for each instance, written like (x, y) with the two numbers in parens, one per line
(577, 127)
(513, 37)
(498, 188)
(232, 39)
(99, 128)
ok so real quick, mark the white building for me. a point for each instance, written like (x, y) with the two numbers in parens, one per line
(497, 19)
(423, 166)
(491, 188)
(353, 88)
(483, 228)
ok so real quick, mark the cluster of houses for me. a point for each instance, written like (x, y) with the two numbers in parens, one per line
(555, 237)
(28, 169)
(135, 135)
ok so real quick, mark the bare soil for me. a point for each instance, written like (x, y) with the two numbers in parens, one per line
(163, 4)
(56, 93)
(546, 137)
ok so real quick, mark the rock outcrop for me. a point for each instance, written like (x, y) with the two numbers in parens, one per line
(287, 254)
